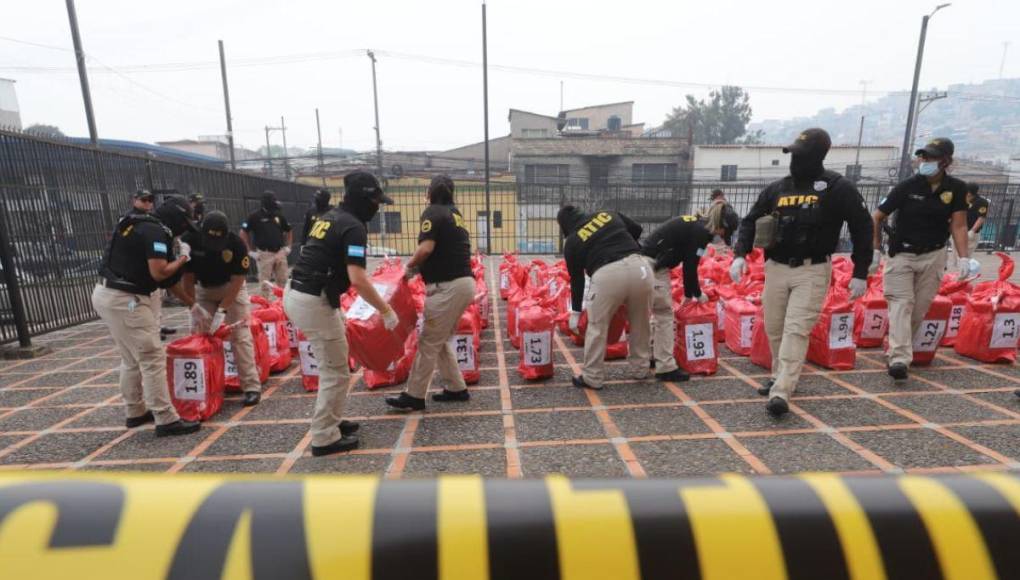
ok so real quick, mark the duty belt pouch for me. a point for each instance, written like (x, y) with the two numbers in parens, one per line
(765, 232)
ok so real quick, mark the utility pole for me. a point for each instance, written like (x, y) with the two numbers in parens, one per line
(923, 101)
(857, 158)
(340, 134)
(226, 103)
(1002, 63)
(318, 129)
(561, 95)
(269, 154)
(485, 107)
(912, 107)
(83, 75)
(286, 154)
(378, 147)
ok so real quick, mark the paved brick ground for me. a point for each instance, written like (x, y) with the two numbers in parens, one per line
(62, 412)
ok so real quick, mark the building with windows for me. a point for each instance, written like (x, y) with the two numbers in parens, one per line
(757, 163)
(10, 114)
(211, 146)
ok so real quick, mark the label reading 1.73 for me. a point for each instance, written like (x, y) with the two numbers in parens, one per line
(537, 348)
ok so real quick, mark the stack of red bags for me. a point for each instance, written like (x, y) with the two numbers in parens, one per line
(871, 314)
(831, 342)
(991, 320)
(958, 291)
(195, 374)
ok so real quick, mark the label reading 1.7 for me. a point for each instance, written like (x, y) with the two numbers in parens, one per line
(536, 347)
(875, 323)
(189, 379)
(700, 341)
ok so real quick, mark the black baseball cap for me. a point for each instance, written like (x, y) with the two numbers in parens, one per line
(196, 197)
(937, 147)
(363, 184)
(810, 140)
(215, 229)
(145, 194)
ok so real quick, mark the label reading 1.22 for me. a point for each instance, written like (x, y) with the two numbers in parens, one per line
(537, 348)
(841, 330)
(189, 379)
(700, 341)
(1004, 330)
(929, 335)
(463, 350)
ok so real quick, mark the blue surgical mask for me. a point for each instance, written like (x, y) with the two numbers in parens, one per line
(928, 168)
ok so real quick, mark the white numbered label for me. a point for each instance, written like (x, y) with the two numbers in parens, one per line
(700, 339)
(841, 330)
(536, 348)
(746, 326)
(362, 310)
(270, 328)
(1004, 330)
(309, 364)
(720, 314)
(955, 316)
(504, 280)
(875, 324)
(291, 332)
(189, 379)
(463, 351)
(230, 365)
(929, 335)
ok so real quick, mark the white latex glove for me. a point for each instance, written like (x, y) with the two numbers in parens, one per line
(184, 249)
(702, 298)
(217, 320)
(971, 235)
(254, 254)
(285, 250)
(201, 320)
(969, 267)
(390, 319)
(737, 269)
(876, 257)
(575, 321)
(857, 288)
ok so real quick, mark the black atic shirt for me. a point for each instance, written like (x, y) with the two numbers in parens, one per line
(215, 267)
(336, 240)
(602, 238)
(921, 216)
(452, 257)
(310, 217)
(821, 207)
(269, 229)
(137, 239)
(976, 210)
(681, 239)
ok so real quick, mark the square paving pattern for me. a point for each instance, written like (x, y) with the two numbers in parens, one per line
(64, 412)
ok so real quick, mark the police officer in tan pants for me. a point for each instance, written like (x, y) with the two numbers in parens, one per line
(797, 221)
(444, 259)
(604, 246)
(928, 207)
(219, 264)
(273, 238)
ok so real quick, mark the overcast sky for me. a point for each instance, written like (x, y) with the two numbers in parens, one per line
(824, 46)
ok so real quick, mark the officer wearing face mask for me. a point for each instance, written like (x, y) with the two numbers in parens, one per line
(334, 259)
(680, 240)
(139, 260)
(797, 220)
(926, 209)
(604, 246)
(321, 206)
(273, 237)
(219, 264)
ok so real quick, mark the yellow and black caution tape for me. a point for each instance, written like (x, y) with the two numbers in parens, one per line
(811, 526)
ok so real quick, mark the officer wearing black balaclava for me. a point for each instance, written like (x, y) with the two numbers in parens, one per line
(140, 260)
(321, 206)
(332, 260)
(797, 221)
(273, 237)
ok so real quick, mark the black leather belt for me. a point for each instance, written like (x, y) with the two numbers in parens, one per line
(798, 261)
(918, 250)
(123, 286)
(305, 287)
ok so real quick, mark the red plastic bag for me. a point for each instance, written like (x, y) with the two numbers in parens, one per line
(398, 371)
(871, 315)
(482, 301)
(694, 347)
(989, 329)
(274, 322)
(740, 315)
(465, 343)
(194, 368)
(536, 326)
(761, 348)
(958, 291)
(506, 281)
(370, 343)
(831, 342)
(309, 364)
(260, 342)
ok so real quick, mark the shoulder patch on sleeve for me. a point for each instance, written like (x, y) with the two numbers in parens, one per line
(426, 226)
(355, 251)
(159, 247)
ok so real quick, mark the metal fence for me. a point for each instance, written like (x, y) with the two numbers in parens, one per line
(58, 205)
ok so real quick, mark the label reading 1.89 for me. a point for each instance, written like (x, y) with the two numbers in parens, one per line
(189, 379)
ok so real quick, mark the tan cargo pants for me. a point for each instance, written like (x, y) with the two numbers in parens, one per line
(241, 341)
(911, 283)
(445, 302)
(324, 327)
(792, 301)
(272, 267)
(135, 329)
(663, 322)
(624, 282)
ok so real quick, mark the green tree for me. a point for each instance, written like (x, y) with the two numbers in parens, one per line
(721, 119)
(41, 130)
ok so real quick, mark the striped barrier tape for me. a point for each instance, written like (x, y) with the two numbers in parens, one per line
(821, 526)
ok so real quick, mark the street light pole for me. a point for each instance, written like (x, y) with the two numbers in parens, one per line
(378, 149)
(912, 107)
(485, 107)
(226, 102)
(83, 75)
(318, 129)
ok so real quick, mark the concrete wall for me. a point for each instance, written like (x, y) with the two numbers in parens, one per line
(620, 167)
(499, 152)
(598, 116)
(520, 120)
(768, 163)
